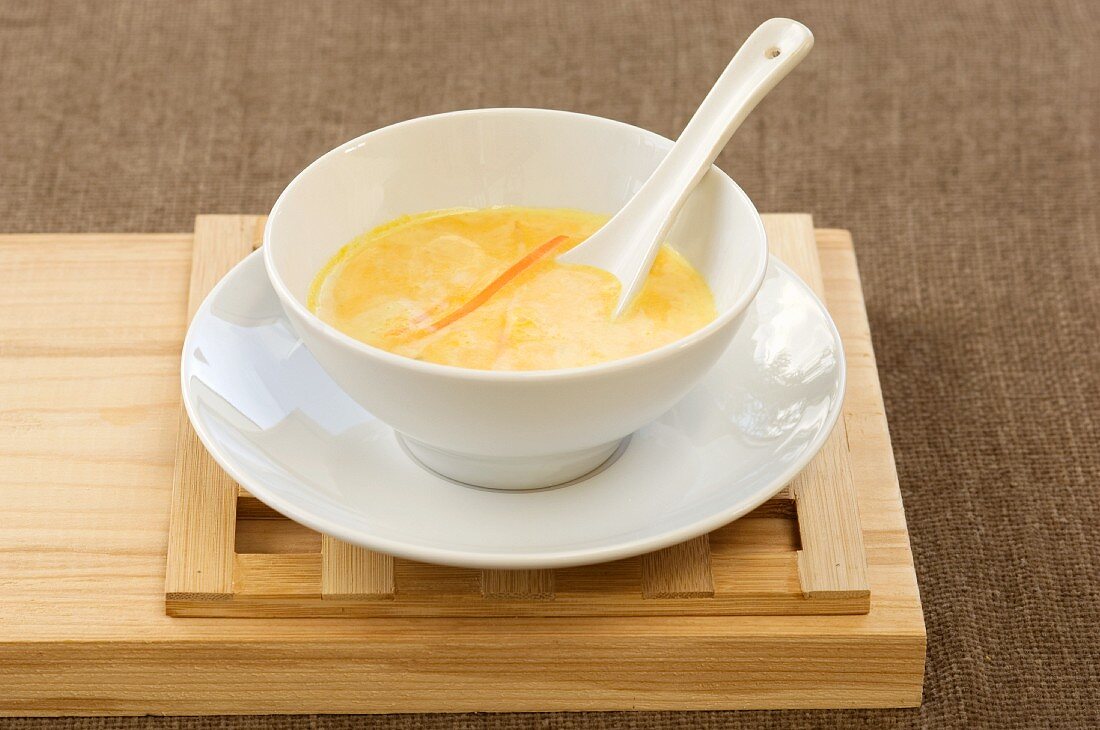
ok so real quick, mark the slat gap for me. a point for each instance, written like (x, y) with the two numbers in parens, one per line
(531, 585)
(277, 575)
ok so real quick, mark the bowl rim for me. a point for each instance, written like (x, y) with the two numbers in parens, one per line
(324, 329)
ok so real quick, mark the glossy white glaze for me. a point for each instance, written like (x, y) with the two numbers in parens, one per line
(274, 419)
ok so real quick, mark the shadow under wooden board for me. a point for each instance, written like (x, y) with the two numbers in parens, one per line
(229, 555)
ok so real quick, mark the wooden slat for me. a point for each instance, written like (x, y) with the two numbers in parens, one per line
(832, 560)
(747, 581)
(349, 572)
(204, 498)
(535, 585)
(679, 571)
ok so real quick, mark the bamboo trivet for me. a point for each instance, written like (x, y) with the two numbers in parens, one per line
(229, 555)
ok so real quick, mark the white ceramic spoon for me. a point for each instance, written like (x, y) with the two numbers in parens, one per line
(627, 244)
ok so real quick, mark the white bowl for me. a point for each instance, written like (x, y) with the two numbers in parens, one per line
(508, 430)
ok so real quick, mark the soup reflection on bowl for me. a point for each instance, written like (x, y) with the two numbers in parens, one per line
(481, 289)
(542, 416)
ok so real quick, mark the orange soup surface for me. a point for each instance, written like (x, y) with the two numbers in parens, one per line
(481, 289)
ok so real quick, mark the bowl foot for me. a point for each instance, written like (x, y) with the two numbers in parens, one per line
(513, 473)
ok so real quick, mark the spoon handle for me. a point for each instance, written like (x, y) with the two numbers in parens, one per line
(768, 55)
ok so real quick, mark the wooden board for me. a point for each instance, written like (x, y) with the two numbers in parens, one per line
(90, 333)
(800, 553)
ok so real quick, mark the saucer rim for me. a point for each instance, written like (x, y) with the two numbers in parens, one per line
(496, 560)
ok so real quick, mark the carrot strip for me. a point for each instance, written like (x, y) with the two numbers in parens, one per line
(532, 257)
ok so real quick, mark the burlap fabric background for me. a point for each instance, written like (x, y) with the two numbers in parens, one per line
(958, 142)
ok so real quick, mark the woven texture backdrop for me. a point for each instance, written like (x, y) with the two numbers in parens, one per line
(957, 141)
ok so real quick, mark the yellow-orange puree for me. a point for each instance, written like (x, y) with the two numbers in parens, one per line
(439, 286)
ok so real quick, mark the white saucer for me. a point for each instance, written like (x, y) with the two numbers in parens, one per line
(283, 429)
